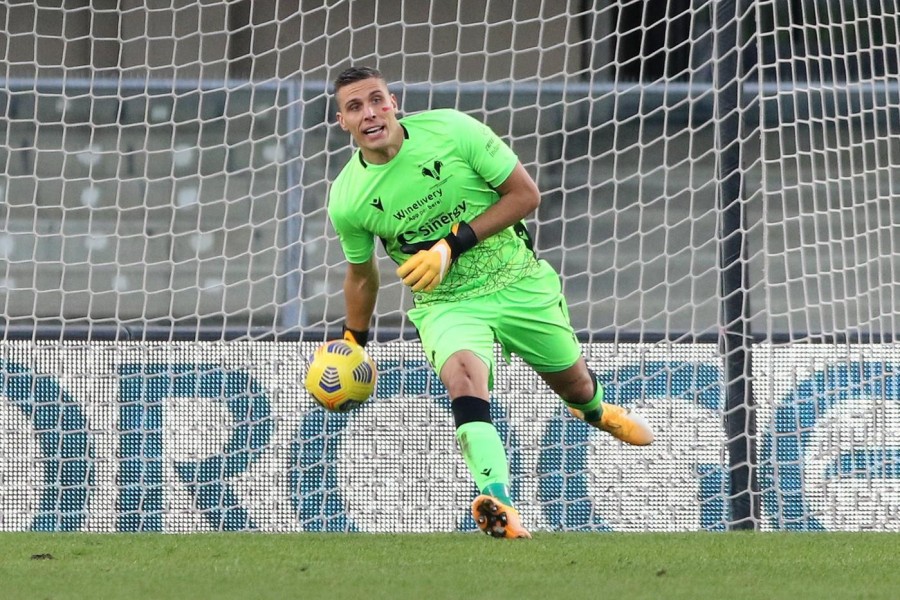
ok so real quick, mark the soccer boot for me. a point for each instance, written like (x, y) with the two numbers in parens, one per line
(620, 423)
(497, 519)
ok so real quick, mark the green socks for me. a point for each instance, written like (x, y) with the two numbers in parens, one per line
(483, 451)
(485, 455)
(593, 409)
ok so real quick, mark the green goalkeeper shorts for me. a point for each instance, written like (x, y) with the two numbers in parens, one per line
(528, 318)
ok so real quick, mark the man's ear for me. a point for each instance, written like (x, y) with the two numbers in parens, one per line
(340, 120)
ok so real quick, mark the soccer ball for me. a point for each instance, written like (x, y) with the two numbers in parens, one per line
(341, 376)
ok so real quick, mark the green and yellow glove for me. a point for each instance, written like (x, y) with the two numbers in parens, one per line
(426, 269)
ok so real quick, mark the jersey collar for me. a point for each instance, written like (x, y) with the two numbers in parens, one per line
(363, 162)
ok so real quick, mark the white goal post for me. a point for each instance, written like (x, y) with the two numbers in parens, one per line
(718, 182)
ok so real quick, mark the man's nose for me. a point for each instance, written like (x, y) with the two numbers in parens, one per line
(369, 111)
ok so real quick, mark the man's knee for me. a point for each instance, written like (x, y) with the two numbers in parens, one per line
(465, 374)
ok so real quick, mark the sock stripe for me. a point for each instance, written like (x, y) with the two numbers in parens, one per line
(595, 404)
(470, 409)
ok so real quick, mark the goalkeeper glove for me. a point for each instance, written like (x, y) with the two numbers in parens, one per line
(426, 269)
(355, 336)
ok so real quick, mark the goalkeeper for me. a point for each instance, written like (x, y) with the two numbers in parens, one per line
(447, 198)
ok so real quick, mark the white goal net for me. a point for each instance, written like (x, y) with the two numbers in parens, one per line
(718, 182)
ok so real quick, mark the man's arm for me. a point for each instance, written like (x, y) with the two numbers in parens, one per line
(519, 197)
(361, 284)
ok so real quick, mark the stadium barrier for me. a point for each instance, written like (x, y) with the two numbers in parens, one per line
(199, 436)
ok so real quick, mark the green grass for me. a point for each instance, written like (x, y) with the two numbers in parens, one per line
(432, 567)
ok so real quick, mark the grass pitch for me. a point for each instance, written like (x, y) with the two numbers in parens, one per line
(436, 566)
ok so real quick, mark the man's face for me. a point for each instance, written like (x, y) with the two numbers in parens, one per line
(369, 113)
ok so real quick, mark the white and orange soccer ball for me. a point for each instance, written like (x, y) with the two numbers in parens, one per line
(341, 375)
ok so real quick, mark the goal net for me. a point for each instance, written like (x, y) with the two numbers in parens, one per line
(717, 195)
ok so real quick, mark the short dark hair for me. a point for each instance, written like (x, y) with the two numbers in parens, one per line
(354, 74)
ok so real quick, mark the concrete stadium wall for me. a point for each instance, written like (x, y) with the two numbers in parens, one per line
(468, 40)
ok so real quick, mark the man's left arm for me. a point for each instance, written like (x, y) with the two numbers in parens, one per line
(519, 197)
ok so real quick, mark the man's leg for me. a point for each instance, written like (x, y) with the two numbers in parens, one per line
(459, 344)
(583, 396)
(465, 376)
(534, 323)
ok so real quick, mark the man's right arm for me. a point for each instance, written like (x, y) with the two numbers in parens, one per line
(361, 284)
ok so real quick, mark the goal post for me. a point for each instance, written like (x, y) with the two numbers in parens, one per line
(736, 333)
(717, 185)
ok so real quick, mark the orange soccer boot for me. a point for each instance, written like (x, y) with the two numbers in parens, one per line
(497, 519)
(620, 423)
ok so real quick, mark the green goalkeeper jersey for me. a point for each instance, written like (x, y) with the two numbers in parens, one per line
(446, 171)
